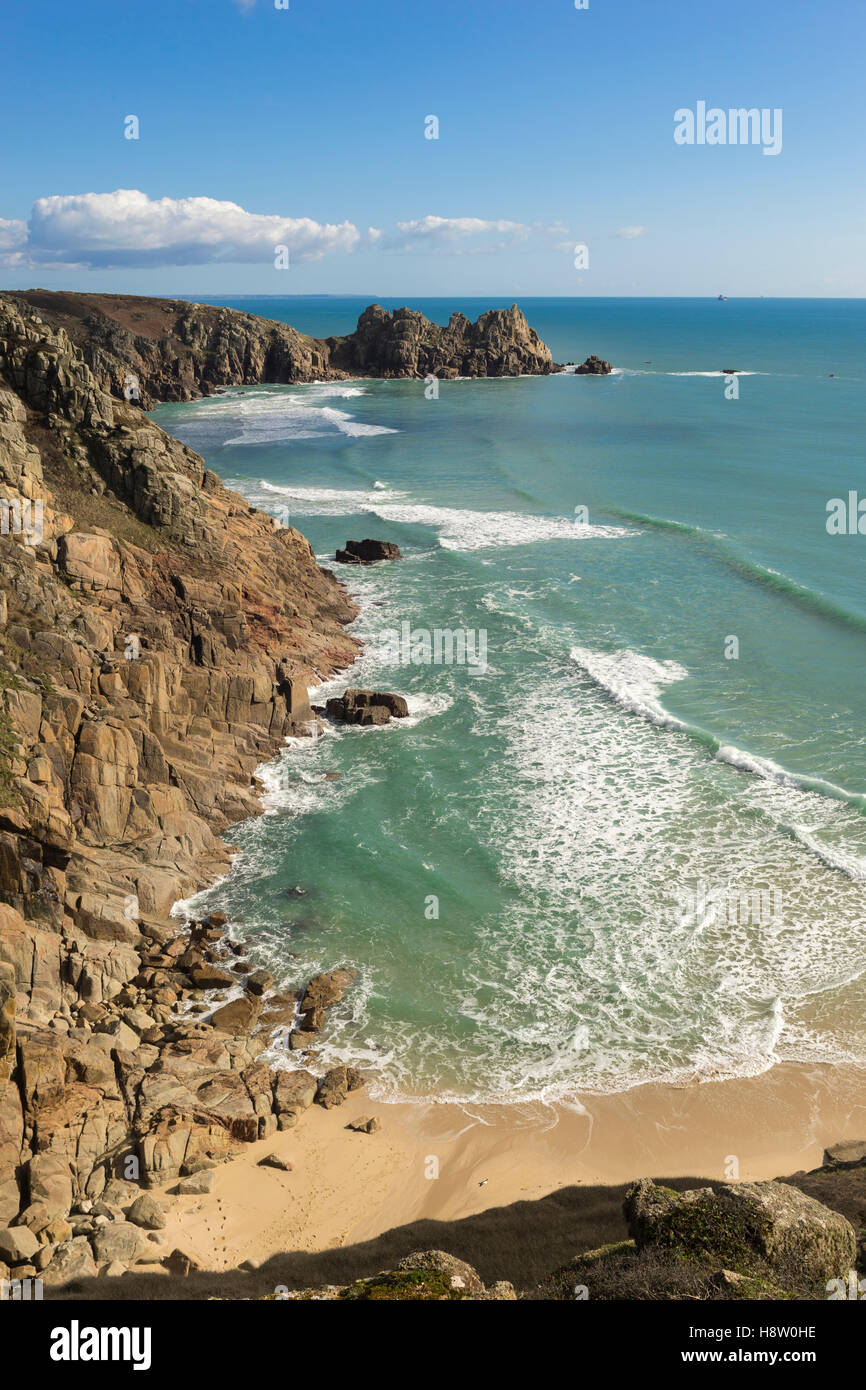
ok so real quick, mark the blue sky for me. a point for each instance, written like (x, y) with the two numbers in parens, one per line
(556, 128)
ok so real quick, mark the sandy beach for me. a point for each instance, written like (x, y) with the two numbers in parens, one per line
(348, 1188)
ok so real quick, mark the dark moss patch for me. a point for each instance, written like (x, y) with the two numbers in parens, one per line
(418, 1284)
(707, 1228)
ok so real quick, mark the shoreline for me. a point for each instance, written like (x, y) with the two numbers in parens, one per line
(347, 1189)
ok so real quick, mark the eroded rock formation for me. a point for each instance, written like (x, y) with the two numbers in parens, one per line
(170, 350)
(157, 637)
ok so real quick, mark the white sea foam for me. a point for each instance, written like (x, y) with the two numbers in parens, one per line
(458, 529)
(751, 762)
(277, 415)
(634, 681)
(834, 856)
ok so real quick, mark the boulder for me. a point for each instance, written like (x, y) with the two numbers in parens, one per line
(197, 1185)
(209, 977)
(147, 1213)
(118, 1192)
(238, 1016)
(336, 1085)
(742, 1223)
(72, 1259)
(367, 552)
(327, 989)
(180, 1263)
(118, 1240)
(18, 1245)
(851, 1153)
(50, 1183)
(426, 1275)
(366, 1124)
(294, 1092)
(366, 707)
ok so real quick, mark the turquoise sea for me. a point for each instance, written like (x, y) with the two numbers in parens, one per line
(643, 823)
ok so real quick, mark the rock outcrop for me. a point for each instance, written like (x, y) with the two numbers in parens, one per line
(367, 552)
(366, 707)
(405, 343)
(157, 637)
(428, 1276)
(770, 1225)
(593, 366)
(147, 350)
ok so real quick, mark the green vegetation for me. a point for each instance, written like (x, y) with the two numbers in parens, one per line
(418, 1284)
(9, 746)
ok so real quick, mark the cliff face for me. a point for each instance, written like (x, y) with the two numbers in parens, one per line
(157, 636)
(178, 351)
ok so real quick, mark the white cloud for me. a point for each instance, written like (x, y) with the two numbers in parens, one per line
(12, 234)
(465, 235)
(126, 228)
(455, 228)
(630, 233)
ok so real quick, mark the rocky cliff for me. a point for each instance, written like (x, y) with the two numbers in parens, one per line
(405, 343)
(176, 351)
(157, 636)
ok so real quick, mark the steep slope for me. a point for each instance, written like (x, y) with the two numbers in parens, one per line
(157, 636)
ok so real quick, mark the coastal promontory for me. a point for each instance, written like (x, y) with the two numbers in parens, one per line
(170, 350)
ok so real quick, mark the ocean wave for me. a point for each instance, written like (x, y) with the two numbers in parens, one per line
(752, 570)
(303, 422)
(279, 414)
(458, 529)
(852, 865)
(634, 681)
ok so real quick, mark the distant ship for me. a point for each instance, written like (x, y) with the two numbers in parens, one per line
(723, 296)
